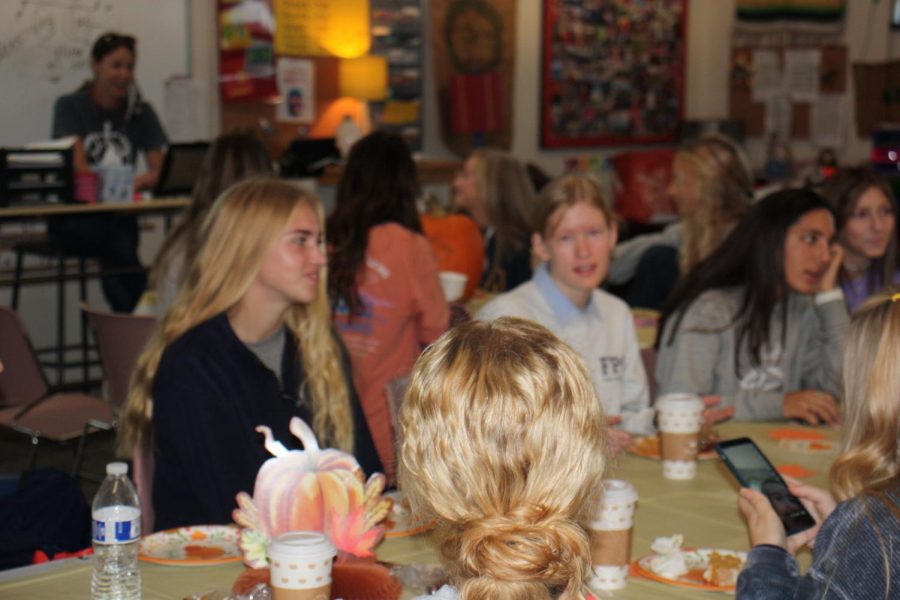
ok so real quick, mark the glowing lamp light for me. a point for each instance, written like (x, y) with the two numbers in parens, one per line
(348, 33)
(363, 78)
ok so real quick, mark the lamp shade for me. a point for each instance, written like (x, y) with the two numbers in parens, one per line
(364, 78)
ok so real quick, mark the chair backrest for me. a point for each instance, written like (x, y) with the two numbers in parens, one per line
(648, 357)
(120, 340)
(142, 461)
(395, 389)
(21, 379)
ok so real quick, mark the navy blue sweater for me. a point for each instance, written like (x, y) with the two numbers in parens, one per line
(209, 393)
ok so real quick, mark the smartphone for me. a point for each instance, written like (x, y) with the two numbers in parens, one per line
(752, 469)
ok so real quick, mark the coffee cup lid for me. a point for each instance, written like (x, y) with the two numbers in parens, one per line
(678, 399)
(302, 544)
(619, 489)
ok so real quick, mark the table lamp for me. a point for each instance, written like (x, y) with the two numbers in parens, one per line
(363, 79)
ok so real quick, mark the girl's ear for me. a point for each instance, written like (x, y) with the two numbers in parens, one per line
(540, 247)
(613, 233)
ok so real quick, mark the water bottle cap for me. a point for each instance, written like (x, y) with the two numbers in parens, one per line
(117, 468)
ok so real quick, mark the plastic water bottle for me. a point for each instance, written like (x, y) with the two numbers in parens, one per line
(116, 532)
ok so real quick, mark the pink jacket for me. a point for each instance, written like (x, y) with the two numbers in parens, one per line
(404, 310)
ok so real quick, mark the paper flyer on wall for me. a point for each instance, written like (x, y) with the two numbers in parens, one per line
(801, 74)
(296, 86)
(767, 76)
(186, 110)
(828, 122)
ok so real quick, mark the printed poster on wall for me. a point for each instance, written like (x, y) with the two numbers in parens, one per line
(296, 86)
(246, 50)
(322, 27)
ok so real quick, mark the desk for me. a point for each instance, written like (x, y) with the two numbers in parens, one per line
(42, 212)
(703, 509)
(144, 207)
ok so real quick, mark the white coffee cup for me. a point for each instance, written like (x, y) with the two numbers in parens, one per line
(679, 417)
(610, 533)
(453, 284)
(300, 566)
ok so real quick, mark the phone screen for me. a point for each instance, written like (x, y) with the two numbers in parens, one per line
(752, 469)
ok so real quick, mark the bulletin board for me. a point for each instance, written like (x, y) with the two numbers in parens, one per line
(832, 80)
(612, 71)
(257, 38)
(45, 53)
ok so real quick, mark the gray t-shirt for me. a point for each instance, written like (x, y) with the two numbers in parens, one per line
(270, 351)
(109, 137)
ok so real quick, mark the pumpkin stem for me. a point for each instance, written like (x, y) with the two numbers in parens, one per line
(274, 447)
(307, 437)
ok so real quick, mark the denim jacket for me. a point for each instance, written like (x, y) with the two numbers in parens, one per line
(851, 552)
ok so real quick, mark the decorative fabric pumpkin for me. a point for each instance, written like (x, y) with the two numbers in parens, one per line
(310, 490)
(458, 246)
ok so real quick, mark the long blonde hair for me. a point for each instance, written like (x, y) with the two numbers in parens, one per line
(231, 157)
(870, 459)
(724, 189)
(503, 444)
(243, 225)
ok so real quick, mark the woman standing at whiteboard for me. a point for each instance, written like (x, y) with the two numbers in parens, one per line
(112, 125)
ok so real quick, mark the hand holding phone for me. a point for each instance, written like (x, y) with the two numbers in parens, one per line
(753, 470)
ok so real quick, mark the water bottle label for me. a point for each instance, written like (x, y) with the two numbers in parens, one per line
(116, 532)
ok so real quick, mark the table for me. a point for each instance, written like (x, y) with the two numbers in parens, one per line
(42, 211)
(703, 509)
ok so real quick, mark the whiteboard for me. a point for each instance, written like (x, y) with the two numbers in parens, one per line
(45, 51)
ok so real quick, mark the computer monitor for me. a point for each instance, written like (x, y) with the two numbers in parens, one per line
(180, 169)
(308, 157)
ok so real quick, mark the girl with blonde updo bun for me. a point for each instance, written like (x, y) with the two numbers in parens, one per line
(503, 445)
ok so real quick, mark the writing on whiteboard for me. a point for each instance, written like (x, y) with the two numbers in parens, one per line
(51, 38)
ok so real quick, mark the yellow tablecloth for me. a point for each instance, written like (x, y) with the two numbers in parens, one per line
(703, 509)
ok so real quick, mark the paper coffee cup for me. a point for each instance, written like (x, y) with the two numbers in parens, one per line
(679, 417)
(453, 284)
(300, 566)
(610, 534)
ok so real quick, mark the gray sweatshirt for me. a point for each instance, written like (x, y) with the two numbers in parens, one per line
(700, 359)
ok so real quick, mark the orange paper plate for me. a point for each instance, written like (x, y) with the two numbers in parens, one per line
(648, 447)
(795, 471)
(788, 433)
(401, 522)
(198, 545)
(697, 562)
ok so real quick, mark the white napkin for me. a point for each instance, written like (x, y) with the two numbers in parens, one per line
(669, 560)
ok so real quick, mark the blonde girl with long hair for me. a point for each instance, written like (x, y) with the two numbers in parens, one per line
(247, 342)
(503, 445)
(856, 545)
(231, 157)
(712, 187)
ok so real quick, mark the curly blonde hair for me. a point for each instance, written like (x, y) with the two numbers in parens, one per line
(724, 189)
(243, 225)
(870, 459)
(503, 444)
